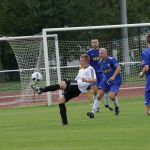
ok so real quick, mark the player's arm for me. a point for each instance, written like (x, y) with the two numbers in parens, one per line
(117, 71)
(90, 80)
(144, 71)
(91, 77)
(145, 64)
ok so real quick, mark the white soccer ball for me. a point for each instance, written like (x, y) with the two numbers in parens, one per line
(36, 76)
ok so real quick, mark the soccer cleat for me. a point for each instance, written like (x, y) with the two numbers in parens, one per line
(117, 111)
(90, 114)
(97, 110)
(109, 107)
(106, 106)
(37, 89)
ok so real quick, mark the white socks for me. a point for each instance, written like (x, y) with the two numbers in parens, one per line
(106, 99)
(95, 106)
(116, 104)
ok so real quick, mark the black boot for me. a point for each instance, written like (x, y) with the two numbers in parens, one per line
(117, 111)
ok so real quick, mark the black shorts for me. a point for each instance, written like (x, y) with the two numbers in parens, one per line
(71, 90)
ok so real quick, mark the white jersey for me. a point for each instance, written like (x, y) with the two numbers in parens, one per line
(86, 73)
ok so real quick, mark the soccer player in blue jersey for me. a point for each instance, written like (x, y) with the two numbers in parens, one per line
(111, 81)
(146, 71)
(93, 53)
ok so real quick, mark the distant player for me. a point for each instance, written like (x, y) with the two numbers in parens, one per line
(86, 76)
(93, 53)
(111, 80)
(146, 71)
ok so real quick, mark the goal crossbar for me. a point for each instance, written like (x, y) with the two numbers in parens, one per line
(95, 27)
(26, 37)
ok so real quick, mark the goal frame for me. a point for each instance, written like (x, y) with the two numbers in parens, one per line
(45, 48)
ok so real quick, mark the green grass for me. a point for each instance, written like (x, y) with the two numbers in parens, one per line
(10, 86)
(37, 128)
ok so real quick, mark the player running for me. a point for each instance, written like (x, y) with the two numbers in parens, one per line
(93, 53)
(111, 80)
(86, 76)
(146, 71)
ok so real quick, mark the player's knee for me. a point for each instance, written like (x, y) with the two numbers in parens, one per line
(112, 96)
(148, 112)
(100, 95)
(63, 85)
(61, 100)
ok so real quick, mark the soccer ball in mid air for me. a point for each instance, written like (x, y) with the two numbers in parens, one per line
(36, 76)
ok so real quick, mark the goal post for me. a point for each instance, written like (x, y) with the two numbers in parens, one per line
(45, 47)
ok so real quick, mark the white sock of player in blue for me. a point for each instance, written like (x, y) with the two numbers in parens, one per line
(106, 99)
(95, 106)
(116, 104)
(94, 97)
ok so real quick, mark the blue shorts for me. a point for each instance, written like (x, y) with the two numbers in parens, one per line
(106, 87)
(147, 98)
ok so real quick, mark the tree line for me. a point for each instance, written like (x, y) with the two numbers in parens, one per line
(29, 17)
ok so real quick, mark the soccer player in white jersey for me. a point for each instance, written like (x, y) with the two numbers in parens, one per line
(86, 76)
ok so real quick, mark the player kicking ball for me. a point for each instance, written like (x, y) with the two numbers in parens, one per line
(86, 76)
(111, 81)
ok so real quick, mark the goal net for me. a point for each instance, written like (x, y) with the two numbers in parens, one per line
(56, 57)
(30, 57)
(125, 42)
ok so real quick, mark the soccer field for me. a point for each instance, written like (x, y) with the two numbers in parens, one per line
(37, 128)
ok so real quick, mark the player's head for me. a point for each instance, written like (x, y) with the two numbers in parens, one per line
(103, 53)
(148, 38)
(84, 60)
(95, 43)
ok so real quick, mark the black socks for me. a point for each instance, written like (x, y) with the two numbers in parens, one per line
(50, 88)
(63, 114)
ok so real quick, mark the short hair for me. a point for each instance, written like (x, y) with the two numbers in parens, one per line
(86, 57)
(148, 38)
(94, 38)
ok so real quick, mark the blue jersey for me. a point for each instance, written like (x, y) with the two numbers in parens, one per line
(94, 61)
(146, 61)
(108, 67)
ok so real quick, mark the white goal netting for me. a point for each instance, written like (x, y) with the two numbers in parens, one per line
(29, 54)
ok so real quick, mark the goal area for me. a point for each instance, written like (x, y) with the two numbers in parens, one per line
(56, 52)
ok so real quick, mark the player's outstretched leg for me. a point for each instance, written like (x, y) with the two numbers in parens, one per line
(45, 89)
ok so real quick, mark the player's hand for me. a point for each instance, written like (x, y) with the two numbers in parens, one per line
(112, 79)
(141, 74)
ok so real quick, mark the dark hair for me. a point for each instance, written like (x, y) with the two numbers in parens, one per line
(148, 38)
(85, 56)
(94, 38)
